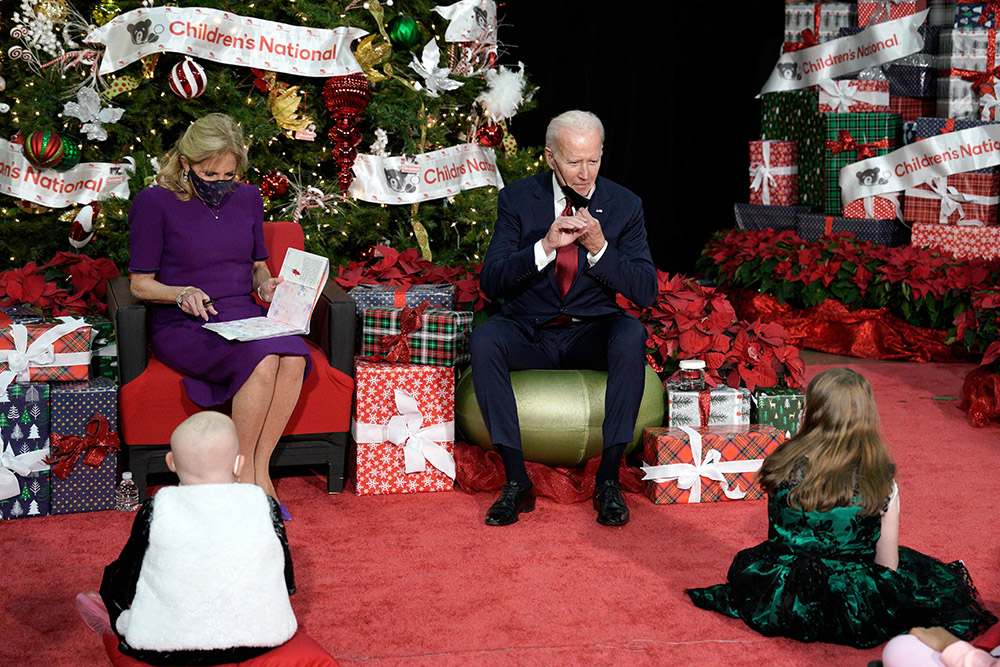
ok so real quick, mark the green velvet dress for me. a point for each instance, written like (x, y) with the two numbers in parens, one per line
(815, 579)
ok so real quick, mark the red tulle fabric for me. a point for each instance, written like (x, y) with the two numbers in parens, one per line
(479, 471)
(830, 327)
(981, 396)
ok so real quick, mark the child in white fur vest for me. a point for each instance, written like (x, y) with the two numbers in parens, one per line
(205, 576)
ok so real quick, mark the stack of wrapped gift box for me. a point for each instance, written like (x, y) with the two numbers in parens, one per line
(404, 416)
(710, 451)
(58, 423)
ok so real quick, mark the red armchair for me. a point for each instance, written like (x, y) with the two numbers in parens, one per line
(152, 400)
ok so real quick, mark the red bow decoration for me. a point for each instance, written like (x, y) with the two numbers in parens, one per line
(67, 449)
(808, 39)
(705, 406)
(845, 142)
(396, 346)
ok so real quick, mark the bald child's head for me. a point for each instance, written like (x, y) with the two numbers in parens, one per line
(205, 449)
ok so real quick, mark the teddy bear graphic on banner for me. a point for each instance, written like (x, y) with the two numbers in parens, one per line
(872, 177)
(143, 33)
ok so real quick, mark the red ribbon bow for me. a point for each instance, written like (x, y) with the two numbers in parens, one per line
(845, 142)
(396, 346)
(67, 449)
(704, 408)
(808, 39)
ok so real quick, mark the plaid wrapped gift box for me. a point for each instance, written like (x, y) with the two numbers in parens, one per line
(911, 108)
(966, 198)
(780, 408)
(24, 440)
(761, 216)
(774, 172)
(46, 352)
(794, 116)
(824, 20)
(404, 428)
(962, 241)
(712, 407)
(707, 464)
(871, 12)
(853, 95)
(87, 412)
(813, 226)
(851, 137)
(442, 338)
(441, 295)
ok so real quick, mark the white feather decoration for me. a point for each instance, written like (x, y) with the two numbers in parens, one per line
(505, 93)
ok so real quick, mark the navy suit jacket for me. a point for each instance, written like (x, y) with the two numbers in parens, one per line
(525, 211)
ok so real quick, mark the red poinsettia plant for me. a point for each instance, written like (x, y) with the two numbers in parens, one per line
(69, 284)
(692, 321)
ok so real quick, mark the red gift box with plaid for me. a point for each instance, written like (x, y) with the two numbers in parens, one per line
(404, 427)
(912, 108)
(47, 352)
(871, 12)
(963, 241)
(705, 464)
(853, 96)
(774, 173)
(960, 199)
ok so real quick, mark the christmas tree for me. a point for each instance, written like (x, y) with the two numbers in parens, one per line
(431, 82)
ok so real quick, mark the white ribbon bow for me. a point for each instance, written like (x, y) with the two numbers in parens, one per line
(712, 467)
(406, 430)
(20, 464)
(841, 96)
(882, 11)
(41, 352)
(988, 104)
(762, 173)
(951, 200)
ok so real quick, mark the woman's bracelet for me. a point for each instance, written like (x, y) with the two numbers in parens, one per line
(259, 294)
(180, 296)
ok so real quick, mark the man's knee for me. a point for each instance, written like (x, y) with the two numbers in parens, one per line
(487, 340)
(629, 335)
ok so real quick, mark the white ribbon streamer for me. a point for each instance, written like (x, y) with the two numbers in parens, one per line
(875, 45)
(20, 464)
(41, 352)
(406, 430)
(763, 174)
(951, 200)
(712, 467)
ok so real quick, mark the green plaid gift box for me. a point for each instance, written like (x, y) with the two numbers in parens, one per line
(780, 408)
(441, 340)
(877, 133)
(794, 116)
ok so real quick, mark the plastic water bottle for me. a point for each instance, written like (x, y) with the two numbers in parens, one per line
(126, 494)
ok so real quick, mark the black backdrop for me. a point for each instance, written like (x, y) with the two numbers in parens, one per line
(674, 84)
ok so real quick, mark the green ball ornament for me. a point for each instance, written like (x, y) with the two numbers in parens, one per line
(403, 32)
(560, 413)
(71, 154)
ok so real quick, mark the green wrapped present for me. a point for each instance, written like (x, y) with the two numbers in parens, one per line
(794, 116)
(780, 408)
(419, 335)
(852, 137)
(104, 362)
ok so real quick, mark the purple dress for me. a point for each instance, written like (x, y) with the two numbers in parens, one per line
(187, 243)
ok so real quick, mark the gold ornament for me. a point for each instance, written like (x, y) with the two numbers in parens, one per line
(284, 107)
(369, 54)
(105, 11)
(56, 11)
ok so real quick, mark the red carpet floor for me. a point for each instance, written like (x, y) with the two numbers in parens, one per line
(419, 580)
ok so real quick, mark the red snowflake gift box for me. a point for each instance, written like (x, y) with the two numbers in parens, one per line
(963, 241)
(404, 427)
(854, 96)
(52, 351)
(774, 173)
(884, 207)
(706, 464)
(968, 198)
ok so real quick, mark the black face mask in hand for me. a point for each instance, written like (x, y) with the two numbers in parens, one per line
(210, 192)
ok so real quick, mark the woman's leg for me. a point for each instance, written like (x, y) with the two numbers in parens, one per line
(250, 412)
(284, 397)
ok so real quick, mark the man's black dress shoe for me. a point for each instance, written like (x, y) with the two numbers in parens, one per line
(610, 505)
(514, 499)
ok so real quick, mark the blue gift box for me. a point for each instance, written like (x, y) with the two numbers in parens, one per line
(811, 226)
(439, 295)
(87, 488)
(24, 427)
(764, 216)
(21, 314)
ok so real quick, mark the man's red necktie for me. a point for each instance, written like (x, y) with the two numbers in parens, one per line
(566, 261)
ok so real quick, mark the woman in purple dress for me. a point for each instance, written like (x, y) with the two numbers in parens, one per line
(197, 255)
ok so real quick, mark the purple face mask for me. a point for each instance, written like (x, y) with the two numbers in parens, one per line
(210, 192)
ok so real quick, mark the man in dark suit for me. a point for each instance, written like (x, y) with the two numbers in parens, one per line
(565, 244)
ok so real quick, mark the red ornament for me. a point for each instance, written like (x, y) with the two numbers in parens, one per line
(273, 184)
(490, 135)
(345, 98)
(188, 79)
(17, 139)
(44, 149)
(82, 230)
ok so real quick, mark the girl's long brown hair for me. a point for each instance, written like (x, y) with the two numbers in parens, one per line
(846, 462)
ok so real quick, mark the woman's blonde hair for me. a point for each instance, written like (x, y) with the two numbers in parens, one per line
(838, 449)
(211, 136)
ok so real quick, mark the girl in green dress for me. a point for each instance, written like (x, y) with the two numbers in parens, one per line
(831, 569)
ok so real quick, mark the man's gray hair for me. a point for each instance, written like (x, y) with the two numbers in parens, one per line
(575, 121)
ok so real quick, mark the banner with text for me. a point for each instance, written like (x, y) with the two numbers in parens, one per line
(410, 179)
(228, 38)
(919, 162)
(881, 43)
(82, 184)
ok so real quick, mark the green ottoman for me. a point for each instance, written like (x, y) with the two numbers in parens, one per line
(560, 412)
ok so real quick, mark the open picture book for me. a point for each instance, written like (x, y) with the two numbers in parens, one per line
(304, 275)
